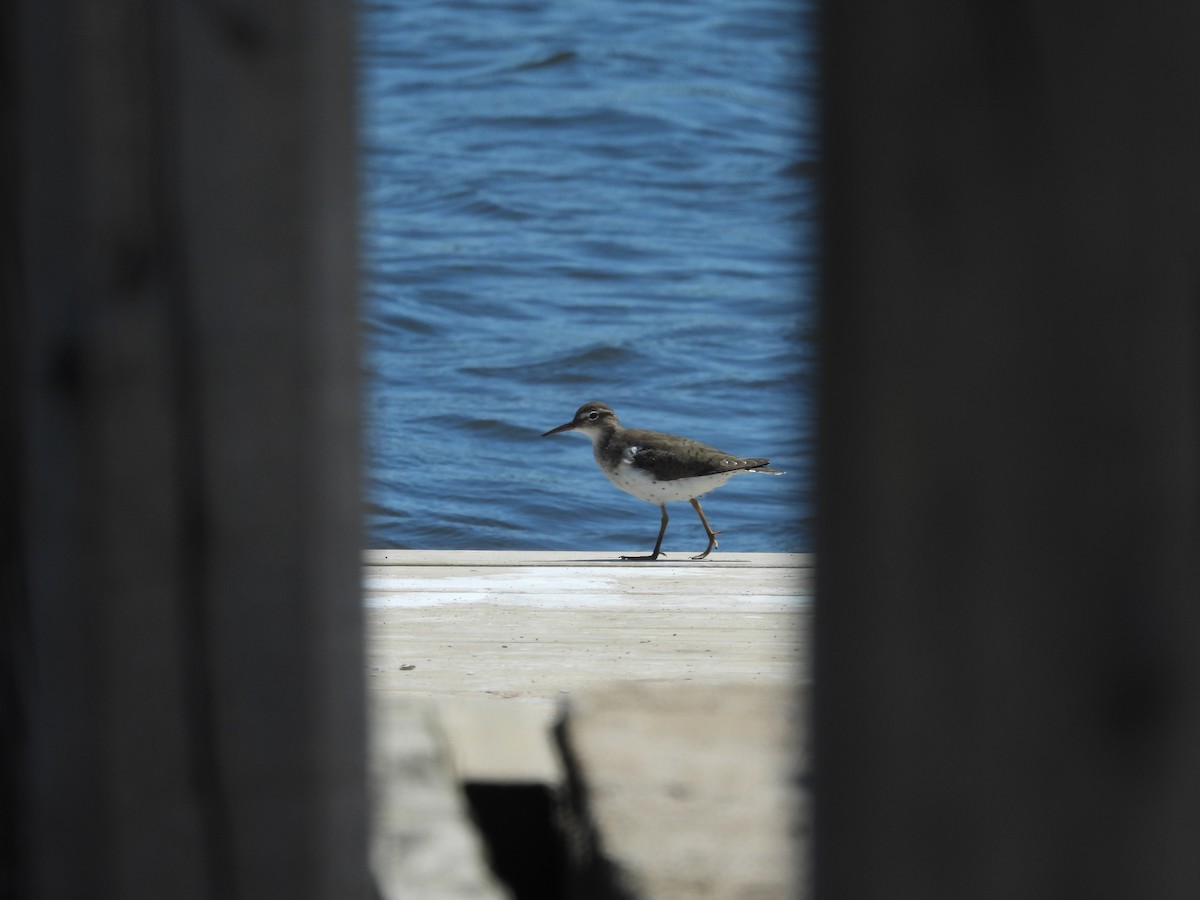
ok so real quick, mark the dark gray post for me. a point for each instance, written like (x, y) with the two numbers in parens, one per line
(182, 685)
(1008, 624)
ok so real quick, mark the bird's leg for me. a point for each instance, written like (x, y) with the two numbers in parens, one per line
(657, 544)
(712, 535)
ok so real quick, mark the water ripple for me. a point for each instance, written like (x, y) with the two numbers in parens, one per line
(565, 202)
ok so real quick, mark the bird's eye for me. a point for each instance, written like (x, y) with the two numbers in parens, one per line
(593, 415)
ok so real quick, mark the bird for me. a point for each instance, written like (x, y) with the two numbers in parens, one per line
(657, 467)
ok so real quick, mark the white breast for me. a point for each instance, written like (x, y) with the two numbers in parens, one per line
(645, 486)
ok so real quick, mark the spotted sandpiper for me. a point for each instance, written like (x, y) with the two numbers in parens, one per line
(655, 467)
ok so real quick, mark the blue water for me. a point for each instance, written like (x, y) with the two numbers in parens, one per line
(571, 200)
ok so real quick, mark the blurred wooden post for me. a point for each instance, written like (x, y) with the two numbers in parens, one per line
(183, 684)
(1008, 625)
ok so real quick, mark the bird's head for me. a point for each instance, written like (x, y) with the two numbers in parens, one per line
(592, 419)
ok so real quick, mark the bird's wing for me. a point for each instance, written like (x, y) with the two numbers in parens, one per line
(688, 460)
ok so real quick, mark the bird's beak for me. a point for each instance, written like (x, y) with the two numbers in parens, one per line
(560, 429)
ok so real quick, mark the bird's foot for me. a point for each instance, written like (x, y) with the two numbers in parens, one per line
(711, 547)
(649, 558)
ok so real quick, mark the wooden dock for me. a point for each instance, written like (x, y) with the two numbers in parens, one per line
(675, 686)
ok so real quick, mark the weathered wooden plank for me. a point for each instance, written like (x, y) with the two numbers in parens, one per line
(677, 681)
(529, 630)
(423, 843)
(695, 792)
(470, 558)
(496, 742)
